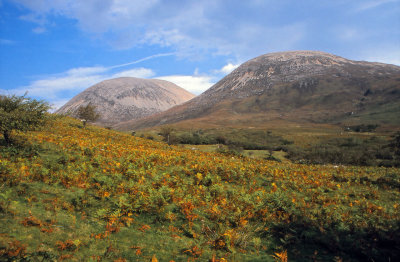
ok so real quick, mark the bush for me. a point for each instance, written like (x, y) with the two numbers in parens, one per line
(361, 128)
(22, 114)
(168, 134)
(230, 149)
(247, 139)
(87, 113)
(347, 151)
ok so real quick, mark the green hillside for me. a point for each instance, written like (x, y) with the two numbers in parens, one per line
(91, 194)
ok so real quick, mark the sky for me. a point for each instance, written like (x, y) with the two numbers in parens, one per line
(55, 49)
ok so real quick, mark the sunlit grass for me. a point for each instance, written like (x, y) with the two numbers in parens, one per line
(94, 194)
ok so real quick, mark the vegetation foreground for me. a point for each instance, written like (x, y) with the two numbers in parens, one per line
(92, 194)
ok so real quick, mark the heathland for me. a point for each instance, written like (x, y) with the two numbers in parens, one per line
(77, 193)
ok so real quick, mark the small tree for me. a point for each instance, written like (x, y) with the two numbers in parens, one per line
(87, 113)
(21, 113)
(167, 133)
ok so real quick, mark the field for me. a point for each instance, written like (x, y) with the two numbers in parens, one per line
(73, 193)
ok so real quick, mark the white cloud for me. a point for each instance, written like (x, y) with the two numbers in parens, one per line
(83, 71)
(388, 55)
(75, 80)
(228, 68)
(136, 72)
(57, 104)
(39, 30)
(189, 27)
(7, 42)
(51, 87)
(366, 5)
(252, 39)
(348, 34)
(143, 59)
(193, 84)
(97, 16)
(351, 35)
(59, 88)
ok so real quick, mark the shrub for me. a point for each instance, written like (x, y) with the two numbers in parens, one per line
(167, 132)
(88, 113)
(21, 113)
(361, 128)
(347, 151)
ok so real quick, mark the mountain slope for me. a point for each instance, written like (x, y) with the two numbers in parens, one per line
(306, 86)
(81, 194)
(128, 98)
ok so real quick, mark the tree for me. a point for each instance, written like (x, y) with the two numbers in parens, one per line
(87, 113)
(167, 133)
(21, 113)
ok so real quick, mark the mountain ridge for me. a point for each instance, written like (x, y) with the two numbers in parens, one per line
(283, 83)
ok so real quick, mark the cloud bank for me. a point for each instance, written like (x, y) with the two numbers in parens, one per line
(59, 88)
(194, 28)
(189, 27)
(194, 84)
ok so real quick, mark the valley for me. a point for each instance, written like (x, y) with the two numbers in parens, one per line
(312, 144)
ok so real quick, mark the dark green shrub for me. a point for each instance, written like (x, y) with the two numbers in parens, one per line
(22, 114)
(346, 151)
(361, 128)
(87, 113)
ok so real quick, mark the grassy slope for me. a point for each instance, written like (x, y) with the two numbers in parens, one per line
(95, 194)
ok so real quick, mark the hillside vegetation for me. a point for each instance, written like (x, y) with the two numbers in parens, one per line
(360, 145)
(92, 194)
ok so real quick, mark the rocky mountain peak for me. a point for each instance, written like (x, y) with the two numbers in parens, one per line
(127, 98)
(282, 67)
(293, 55)
(313, 85)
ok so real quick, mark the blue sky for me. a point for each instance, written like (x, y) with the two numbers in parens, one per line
(55, 49)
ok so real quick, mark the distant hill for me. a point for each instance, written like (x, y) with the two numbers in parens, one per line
(299, 86)
(128, 98)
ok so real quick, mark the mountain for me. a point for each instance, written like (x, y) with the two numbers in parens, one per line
(299, 86)
(128, 98)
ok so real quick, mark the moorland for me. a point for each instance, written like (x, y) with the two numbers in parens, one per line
(77, 193)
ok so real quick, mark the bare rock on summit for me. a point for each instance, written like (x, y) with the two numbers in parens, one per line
(128, 98)
(301, 86)
(301, 69)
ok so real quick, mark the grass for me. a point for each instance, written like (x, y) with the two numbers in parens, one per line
(258, 154)
(71, 193)
(305, 144)
(266, 154)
